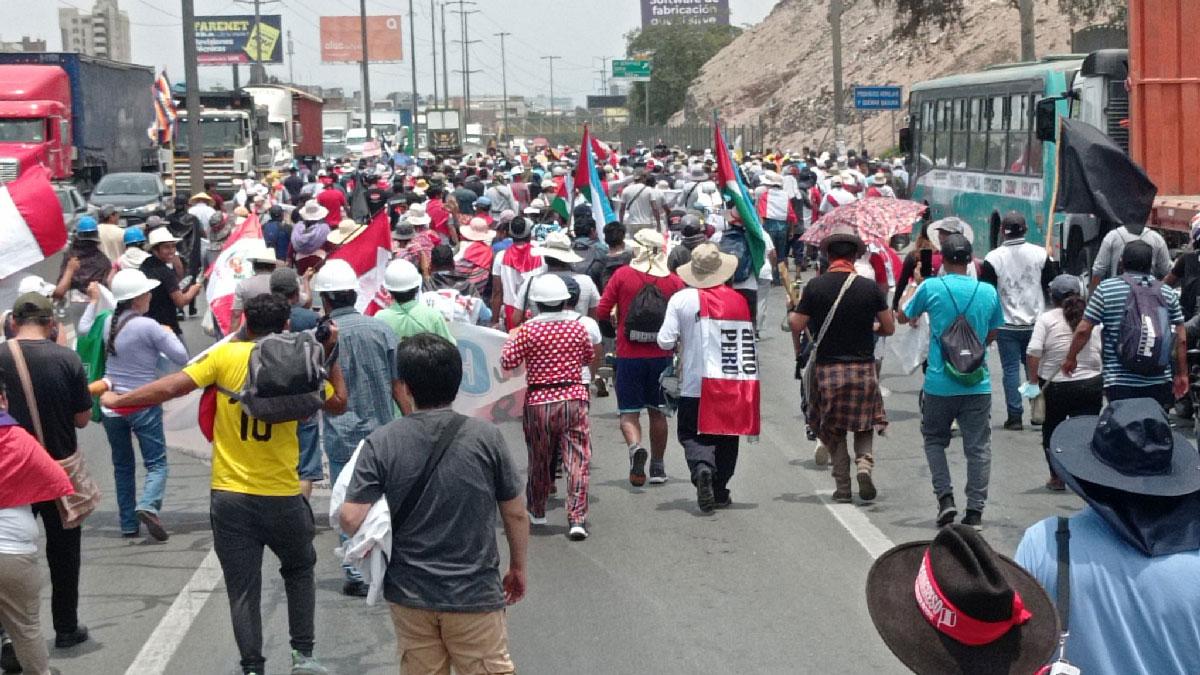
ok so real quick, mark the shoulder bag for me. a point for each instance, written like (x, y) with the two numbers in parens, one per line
(73, 508)
(444, 439)
(810, 370)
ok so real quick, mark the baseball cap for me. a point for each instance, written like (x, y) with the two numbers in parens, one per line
(956, 249)
(32, 306)
(285, 282)
(1065, 284)
(1014, 223)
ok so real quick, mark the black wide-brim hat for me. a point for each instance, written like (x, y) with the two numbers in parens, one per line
(1023, 650)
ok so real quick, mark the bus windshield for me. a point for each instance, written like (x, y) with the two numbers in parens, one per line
(225, 134)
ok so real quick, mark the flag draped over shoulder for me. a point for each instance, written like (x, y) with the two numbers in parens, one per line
(730, 183)
(729, 390)
(166, 117)
(587, 180)
(368, 251)
(231, 267)
(31, 221)
(1096, 176)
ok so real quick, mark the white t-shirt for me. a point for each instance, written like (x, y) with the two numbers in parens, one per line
(639, 200)
(510, 279)
(589, 295)
(1050, 342)
(18, 531)
(681, 326)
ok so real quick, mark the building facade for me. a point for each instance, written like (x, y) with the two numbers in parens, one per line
(103, 33)
(25, 44)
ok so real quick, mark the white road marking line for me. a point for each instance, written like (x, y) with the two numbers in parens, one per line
(858, 525)
(156, 653)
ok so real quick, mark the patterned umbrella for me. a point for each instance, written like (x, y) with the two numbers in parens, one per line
(874, 219)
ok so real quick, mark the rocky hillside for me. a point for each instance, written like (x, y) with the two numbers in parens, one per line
(780, 72)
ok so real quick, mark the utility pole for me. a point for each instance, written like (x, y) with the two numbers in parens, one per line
(445, 63)
(291, 59)
(191, 74)
(463, 13)
(553, 114)
(1028, 49)
(504, 81)
(433, 55)
(839, 112)
(366, 77)
(412, 48)
(604, 75)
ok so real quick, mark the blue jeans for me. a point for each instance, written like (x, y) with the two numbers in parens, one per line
(777, 231)
(308, 433)
(147, 425)
(1012, 343)
(974, 415)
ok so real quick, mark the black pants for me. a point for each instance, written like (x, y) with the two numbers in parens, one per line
(751, 296)
(63, 554)
(1163, 393)
(1070, 399)
(242, 526)
(718, 453)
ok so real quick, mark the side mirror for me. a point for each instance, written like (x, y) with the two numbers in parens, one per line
(905, 141)
(1046, 120)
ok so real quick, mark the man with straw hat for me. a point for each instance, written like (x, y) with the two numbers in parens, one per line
(1132, 555)
(475, 256)
(262, 261)
(719, 391)
(560, 258)
(638, 293)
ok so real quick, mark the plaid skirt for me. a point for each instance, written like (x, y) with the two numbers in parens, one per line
(845, 397)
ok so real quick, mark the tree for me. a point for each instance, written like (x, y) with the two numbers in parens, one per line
(680, 50)
(912, 15)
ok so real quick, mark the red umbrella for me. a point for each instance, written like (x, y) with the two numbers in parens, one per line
(874, 219)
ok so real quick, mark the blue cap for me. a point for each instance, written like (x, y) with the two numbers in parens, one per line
(134, 235)
(87, 224)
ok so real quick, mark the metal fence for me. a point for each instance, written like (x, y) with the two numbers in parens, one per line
(696, 136)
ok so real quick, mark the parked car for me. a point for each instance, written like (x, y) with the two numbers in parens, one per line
(137, 195)
(74, 206)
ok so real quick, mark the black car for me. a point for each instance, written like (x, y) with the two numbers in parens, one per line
(136, 195)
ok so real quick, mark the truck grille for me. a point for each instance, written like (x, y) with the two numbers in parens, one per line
(219, 170)
(1118, 111)
(8, 170)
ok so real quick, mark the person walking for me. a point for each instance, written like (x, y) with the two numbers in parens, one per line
(1021, 272)
(263, 263)
(286, 284)
(443, 583)
(1107, 308)
(255, 500)
(408, 316)
(132, 344)
(952, 395)
(510, 268)
(451, 293)
(83, 262)
(642, 205)
(1131, 555)
(715, 408)
(1112, 249)
(167, 298)
(1065, 396)
(554, 347)
(640, 360)
(111, 232)
(845, 312)
(778, 217)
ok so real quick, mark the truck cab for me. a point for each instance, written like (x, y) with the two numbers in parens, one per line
(35, 120)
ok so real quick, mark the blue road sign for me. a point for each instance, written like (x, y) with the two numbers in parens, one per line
(878, 98)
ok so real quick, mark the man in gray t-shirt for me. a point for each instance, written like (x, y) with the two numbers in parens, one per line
(263, 262)
(443, 574)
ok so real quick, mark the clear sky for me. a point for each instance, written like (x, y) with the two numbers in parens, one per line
(580, 31)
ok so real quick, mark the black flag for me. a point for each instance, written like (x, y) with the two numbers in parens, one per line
(1096, 176)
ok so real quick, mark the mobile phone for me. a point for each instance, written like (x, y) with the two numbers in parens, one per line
(926, 263)
(187, 281)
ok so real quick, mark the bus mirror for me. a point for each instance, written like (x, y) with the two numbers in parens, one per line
(905, 141)
(1046, 119)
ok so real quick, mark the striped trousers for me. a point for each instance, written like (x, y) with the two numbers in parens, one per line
(562, 426)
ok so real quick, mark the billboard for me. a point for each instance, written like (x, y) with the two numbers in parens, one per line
(703, 12)
(601, 102)
(226, 40)
(341, 39)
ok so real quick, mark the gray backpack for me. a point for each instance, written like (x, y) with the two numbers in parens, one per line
(286, 378)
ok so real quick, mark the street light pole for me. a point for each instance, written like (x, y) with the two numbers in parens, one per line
(553, 114)
(366, 77)
(839, 113)
(504, 81)
(412, 31)
(445, 63)
(191, 74)
(433, 54)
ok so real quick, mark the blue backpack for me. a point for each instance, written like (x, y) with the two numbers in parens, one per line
(733, 242)
(1145, 339)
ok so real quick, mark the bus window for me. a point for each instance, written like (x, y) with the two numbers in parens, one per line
(942, 147)
(1018, 134)
(1035, 146)
(997, 138)
(961, 121)
(977, 156)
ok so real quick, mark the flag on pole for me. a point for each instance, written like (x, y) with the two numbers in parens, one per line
(587, 178)
(368, 250)
(729, 387)
(230, 268)
(564, 197)
(166, 117)
(31, 221)
(730, 183)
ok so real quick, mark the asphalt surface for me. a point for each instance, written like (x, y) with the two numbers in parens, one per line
(774, 584)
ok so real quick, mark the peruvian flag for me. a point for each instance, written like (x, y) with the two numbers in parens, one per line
(31, 221)
(368, 251)
(231, 267)
(729, 390)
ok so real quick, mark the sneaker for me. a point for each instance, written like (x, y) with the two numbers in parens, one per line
(8, 657)
(724, 501)
(65, 640)
(130, 535)
(354, 588)
(577, 532)
(973, 519)
(153, 525)
(842, 497)
(1056, 484)
(866, 487)
(306, 665)
(705, 498)
(637, 466)
(601, 387)
(1013, 423)
(821, 455)
(537, 520)
(658, 472)
(946, 510)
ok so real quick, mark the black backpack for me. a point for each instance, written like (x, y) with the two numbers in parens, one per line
(1145, 340)
(963, 353)
(646, 314)
(286, 378)
(592, 264)
(733, 242)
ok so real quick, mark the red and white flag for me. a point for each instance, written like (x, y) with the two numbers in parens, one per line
(231, 267)
(368, 251)
(31, 221)
(729, 391)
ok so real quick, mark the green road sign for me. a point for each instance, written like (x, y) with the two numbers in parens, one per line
(637, 70)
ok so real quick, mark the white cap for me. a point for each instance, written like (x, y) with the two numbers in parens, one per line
(549, 289)
(335, 275)
(129, 284)
(401, 276)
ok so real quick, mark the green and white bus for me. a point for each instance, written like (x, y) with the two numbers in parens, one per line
(974, 154)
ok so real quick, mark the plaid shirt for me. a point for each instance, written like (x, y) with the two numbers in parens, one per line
(554, 352)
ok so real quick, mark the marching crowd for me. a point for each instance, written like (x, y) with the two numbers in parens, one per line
(659, 306)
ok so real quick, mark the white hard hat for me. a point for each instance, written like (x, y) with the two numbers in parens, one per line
(549, 289)
(35, 284)
(335, 275)
(129, 284)
(401, 276)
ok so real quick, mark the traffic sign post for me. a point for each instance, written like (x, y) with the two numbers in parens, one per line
(635, 70)
(878, 98)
